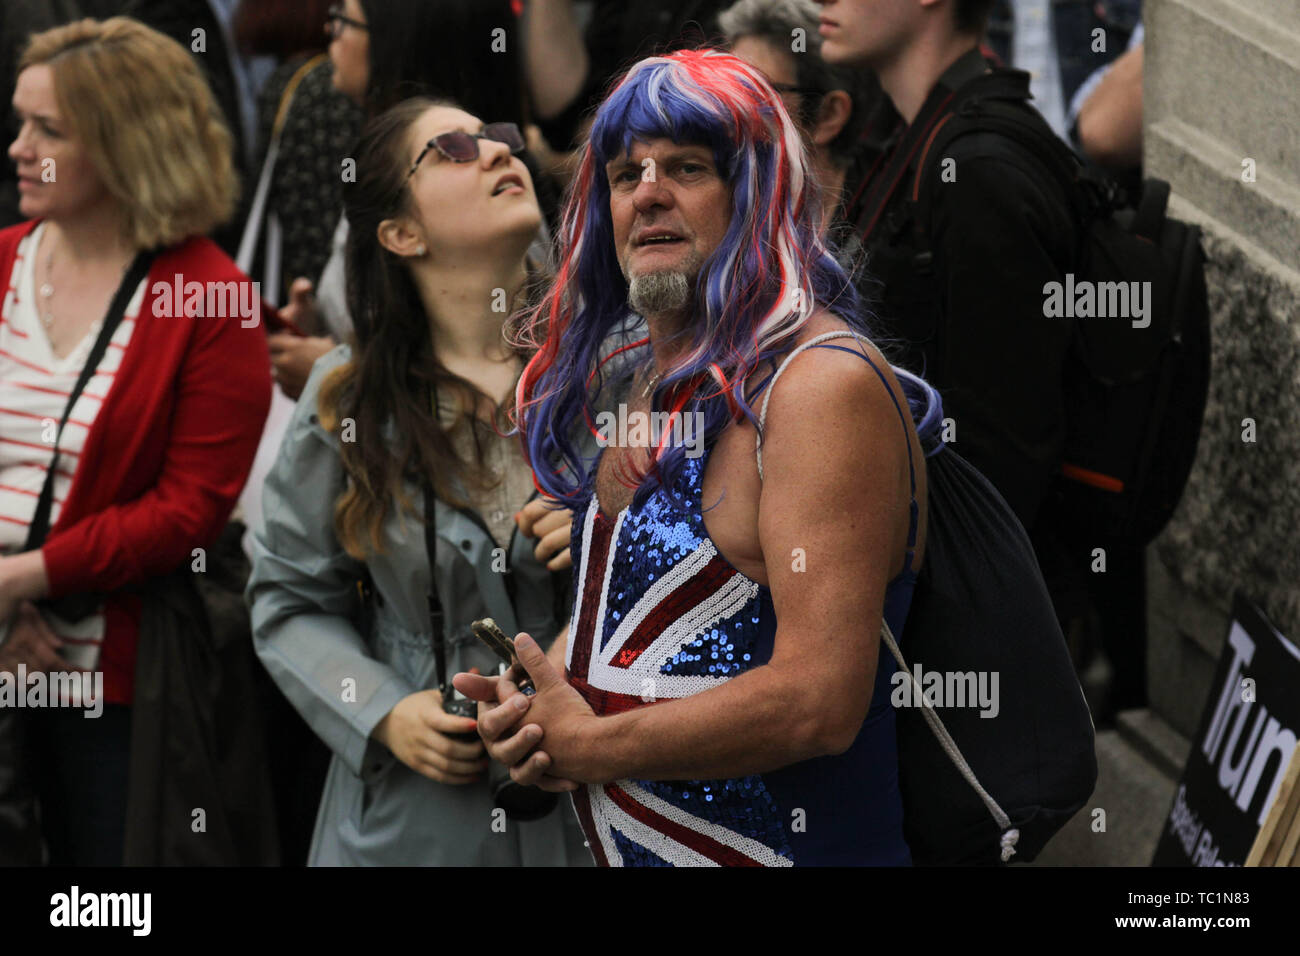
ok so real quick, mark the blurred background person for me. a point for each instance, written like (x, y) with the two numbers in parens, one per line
(1056, 42)
(157, 445)
(840, 112)
(613, 34)
(317, 127)
(1106, 115)
(442, 217)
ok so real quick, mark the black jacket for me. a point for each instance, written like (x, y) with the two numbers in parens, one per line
(955, 279)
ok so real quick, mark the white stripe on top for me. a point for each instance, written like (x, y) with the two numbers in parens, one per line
(34, 390)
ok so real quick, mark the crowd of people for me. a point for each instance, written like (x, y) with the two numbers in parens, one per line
(310, 313)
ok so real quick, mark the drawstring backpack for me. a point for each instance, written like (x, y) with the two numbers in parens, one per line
(980, 790)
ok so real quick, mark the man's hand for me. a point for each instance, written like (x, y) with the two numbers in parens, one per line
(292, 357)
(546, 520)
(556, 713)
(32, 642)
(416, 732)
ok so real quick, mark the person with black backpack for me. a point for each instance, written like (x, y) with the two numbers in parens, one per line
(977, 224)
(958, 287)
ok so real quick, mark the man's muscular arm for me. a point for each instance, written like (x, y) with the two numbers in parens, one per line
(835, 485)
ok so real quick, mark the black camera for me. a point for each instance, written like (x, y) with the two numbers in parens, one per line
(519, 802)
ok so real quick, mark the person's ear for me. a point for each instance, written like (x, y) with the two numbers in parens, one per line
(401, 237)
(832, 115)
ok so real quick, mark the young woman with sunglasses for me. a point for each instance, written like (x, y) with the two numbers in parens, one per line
(442, 215)
(383, 51)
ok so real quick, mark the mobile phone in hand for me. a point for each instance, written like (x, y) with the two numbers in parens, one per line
(487, 631)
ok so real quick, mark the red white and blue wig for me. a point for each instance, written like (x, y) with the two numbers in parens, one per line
(753, 294)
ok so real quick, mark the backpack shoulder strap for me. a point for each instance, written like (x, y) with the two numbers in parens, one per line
(1008, 117)
(817, 340)
(914, 518)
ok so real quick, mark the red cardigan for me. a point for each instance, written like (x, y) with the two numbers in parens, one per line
(167, 455)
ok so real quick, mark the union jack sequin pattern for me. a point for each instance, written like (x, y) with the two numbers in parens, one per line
(660, 614)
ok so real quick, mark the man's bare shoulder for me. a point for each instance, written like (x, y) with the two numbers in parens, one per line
(826, 381)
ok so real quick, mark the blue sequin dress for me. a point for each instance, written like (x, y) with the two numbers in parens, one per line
(660, 614)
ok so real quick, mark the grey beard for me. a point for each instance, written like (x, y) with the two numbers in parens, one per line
(658, 292)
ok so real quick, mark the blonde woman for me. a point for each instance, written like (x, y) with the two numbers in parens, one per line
(123, 165)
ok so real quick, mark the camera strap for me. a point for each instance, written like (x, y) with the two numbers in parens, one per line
(436, 616)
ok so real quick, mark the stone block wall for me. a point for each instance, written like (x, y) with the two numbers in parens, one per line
(1221, 88)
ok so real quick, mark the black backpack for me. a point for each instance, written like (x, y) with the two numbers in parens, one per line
(980, 788)
(1134, 396)
(981, 606)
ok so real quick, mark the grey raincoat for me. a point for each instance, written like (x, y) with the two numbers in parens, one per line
(304, 601)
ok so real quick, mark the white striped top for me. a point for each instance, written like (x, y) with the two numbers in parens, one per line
(34, 390)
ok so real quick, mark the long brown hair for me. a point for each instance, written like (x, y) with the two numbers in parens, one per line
(384, 389)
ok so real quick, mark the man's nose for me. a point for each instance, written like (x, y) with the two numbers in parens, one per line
(650, 192)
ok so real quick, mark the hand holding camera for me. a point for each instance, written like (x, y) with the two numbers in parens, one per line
(438, 742)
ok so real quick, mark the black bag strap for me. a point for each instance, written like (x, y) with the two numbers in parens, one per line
(968, 71)
(1151, 209)
(1010, 118)
(437, 619)
(139, 268)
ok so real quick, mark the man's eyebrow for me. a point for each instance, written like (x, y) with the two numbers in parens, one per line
(681, 152)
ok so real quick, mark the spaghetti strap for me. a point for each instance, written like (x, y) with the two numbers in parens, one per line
(770, 385)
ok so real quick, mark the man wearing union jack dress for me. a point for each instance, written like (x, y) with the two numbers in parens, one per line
(719, 697)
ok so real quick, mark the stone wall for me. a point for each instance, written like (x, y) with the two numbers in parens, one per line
(1222, 86)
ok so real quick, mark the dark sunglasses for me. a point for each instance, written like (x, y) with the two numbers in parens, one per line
(335, 21)
(461, 147)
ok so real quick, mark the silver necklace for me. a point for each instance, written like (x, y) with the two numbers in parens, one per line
(47, 288)
(654, 380)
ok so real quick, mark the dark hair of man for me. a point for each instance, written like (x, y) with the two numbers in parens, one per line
(972, 16)
(281, 28)
(445, 48)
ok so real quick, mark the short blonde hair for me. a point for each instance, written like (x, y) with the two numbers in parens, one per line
(138, 104)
